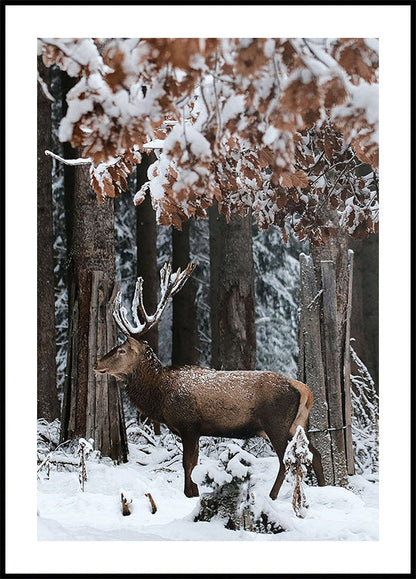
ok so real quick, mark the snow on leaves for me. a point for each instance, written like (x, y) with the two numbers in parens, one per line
(276, 126)
(109, 178)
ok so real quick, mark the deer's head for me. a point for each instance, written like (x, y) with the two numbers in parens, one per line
(121, 360)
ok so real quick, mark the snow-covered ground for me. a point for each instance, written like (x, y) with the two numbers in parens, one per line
(67, 513)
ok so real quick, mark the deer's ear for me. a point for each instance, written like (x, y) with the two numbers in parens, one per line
(134, 344)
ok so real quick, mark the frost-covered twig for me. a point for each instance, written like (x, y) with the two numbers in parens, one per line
(45, 89)
(49, 456)
(79, 161)
(84, 450)
(146, 436)
(315, 299)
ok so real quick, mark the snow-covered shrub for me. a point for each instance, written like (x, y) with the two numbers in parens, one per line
(233, 500)
(59, 456)
(297, 458)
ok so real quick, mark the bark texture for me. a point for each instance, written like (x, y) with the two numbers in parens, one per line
(232, 299)
(185, 337)
(311, 364)
(47, 395)
(324, 353)
(92, 249)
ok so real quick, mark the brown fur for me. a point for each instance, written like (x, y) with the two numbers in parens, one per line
(194, 402)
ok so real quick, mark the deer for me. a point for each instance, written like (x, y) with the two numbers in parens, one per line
(197, 401)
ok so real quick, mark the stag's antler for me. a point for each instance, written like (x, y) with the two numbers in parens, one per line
(170, 284)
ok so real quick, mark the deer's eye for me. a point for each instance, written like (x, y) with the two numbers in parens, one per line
(121, 351)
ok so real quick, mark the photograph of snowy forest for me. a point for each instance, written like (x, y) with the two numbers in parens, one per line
(207, 289)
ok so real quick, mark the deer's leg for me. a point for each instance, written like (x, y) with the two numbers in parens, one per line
(190, 444)
(317, 465)
(279, 441)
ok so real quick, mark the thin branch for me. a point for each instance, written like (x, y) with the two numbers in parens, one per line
(45, 89)
(64, 50)
(205, 100)
(217, 108)
(147, 437)
(69, 161)
(327, 196)
(314, 54)
(48, 456)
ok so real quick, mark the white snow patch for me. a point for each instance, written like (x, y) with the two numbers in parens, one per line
(67, 514)
(234, 106)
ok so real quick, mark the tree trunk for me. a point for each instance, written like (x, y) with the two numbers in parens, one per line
(311, 365)
(364, 314)
(185, 337)
(91, 407)
(324, 360)
(232, 298)
(332, 365)
(146, 242)
(338, 390)
(47, 399)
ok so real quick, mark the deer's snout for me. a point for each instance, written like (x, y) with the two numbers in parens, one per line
(99, 370)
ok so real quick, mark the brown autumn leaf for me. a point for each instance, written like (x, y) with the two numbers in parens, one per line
(266, 157)
(335, 93)
(109, 188)
(368, 155)
(117, 76)
(330, 145)
(251, 58)
(289, 55)
(300, 179)
(281, 200)
(286, 179)
(357, 59)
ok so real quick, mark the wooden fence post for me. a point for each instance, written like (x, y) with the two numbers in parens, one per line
(333, 370)
(347, 371)
(311, 368)
(324, 363)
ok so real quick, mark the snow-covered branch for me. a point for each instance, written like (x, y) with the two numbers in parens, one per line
(73, 162)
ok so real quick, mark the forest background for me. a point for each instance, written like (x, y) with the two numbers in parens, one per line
(21, 253)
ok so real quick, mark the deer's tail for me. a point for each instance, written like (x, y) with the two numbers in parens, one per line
(305, 404)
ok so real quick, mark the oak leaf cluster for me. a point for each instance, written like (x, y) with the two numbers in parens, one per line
(284, 128)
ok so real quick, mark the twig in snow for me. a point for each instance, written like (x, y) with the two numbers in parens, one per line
(147, 437)
(152, 503)
(125, 506)
(48, 456)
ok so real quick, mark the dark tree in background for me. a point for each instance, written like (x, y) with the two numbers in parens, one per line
(185, 337)
(365, 311)
(146, 243)
(232, 299)
(48, 405)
